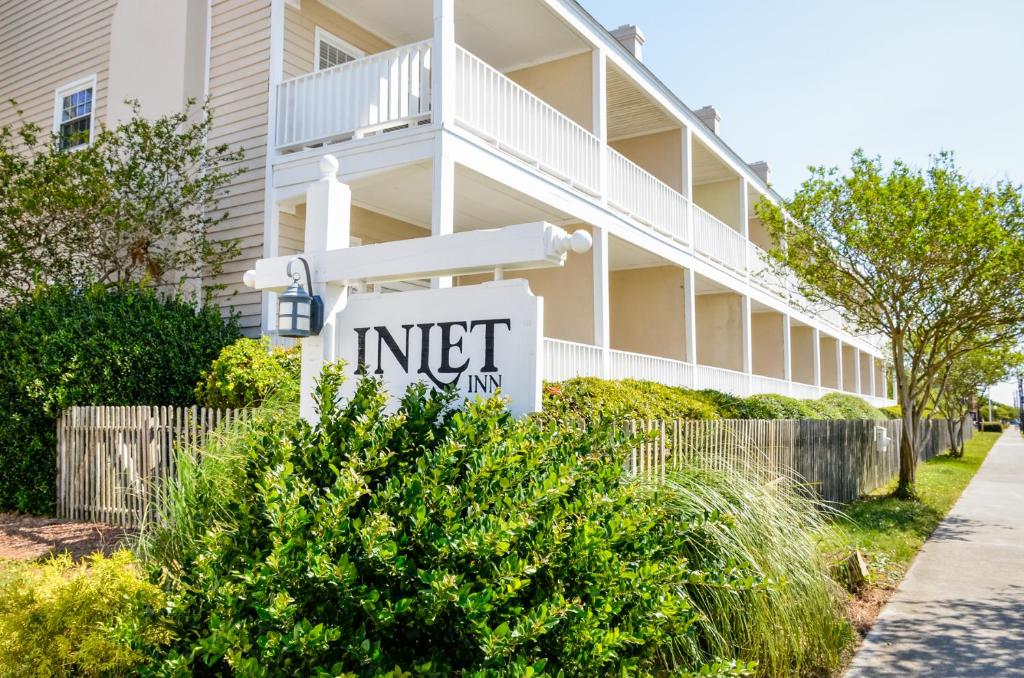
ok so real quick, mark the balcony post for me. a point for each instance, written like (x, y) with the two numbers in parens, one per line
(744, 223)
(857, 377)
(599, 118)
(442, 66)
(816, 357)
(690, 315)
(787, 349)
(271, 214)
(748, 356)
(871, 378)
(442, 213)
(602, 320)
(686, 172)
(839, 364)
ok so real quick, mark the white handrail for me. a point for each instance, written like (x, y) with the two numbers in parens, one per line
(715, 240)
(389, 88)
(503, 112)
(567, 359)
(646, 198)
(628, 365)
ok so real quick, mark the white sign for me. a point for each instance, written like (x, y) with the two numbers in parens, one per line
(481, 339)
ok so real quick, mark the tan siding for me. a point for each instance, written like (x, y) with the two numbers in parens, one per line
(30, 69)
(300, 29)
(239, 82)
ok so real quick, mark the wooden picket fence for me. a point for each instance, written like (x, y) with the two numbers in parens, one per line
(111, 461)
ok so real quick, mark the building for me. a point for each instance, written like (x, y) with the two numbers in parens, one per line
(449, 115)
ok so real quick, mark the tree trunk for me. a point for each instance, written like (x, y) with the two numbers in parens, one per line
(955, 448)
(908, 459)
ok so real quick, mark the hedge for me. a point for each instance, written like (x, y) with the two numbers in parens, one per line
(586, 397)
(97, 346)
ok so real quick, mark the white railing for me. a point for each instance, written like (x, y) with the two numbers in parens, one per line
(390, 89)
(566, 359)
(762, 273)
(717, 241)
(646, 198)
(804, 391)
(762, 384)
(719, 379)
(627, 365)
(496, 108)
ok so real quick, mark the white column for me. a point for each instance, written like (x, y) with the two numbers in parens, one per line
(686, 172)
(839, 364)
(602, 321)
(442, 67)
(744, 223)
(442, 215)
(748, 355)
(690, 315)
(787, 348)
(871, 378)
(599, 96)
(328, 214)
(816, 351)
(857, 378)
(271, 217)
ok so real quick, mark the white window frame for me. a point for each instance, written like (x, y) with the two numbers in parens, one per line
(325, 36)
(58, 105)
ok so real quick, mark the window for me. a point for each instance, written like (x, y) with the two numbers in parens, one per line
(332, 51)
(72, 115)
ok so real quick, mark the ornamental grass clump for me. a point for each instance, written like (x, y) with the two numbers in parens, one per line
(437, 541)
(794, 624)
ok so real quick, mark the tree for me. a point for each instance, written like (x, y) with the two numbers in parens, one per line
(925, 258)
(963, 379)
(138, 203)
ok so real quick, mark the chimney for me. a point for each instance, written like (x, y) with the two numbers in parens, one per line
(632, 38)
(761, 169)
(709, 116)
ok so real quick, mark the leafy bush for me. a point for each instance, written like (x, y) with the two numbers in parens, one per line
(440, 542)
(96, 346)
(246, 372)
(91, 619)
(991, 427)
(794, 627)
(775, 406)
(588, 397)
(846, 406)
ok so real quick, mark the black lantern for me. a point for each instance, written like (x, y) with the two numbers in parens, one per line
(299, 313)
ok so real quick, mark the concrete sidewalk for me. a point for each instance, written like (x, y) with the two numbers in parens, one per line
(960, 611)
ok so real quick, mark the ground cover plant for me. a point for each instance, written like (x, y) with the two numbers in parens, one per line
(100, 345)
(99, 617)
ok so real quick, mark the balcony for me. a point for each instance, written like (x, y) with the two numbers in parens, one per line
(391, 91)
(565, 360)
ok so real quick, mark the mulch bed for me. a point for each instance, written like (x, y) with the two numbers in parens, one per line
(24, 537)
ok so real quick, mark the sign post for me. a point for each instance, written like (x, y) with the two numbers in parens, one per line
(476, 338)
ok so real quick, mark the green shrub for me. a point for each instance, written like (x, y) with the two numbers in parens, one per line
(775, 406)
(892, 412)
(89, 619)
(991, 427)
(246, 372)
(726, 405)
(588, 397)
(96, 346)
(440, 542)
(846, 406)
(795, 627)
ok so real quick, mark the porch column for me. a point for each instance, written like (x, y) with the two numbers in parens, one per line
(857, 378)
(744, 222)
(442, 67)
(816, 357)
(602, 325)
(871, 378)
(442, 214)
(787, 349)
(686, 172)
(748, 355)
(599, 73)
(271, 215)
(839, 364)
(690, 316)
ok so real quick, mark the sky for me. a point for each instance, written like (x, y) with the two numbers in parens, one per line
(805, 82)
